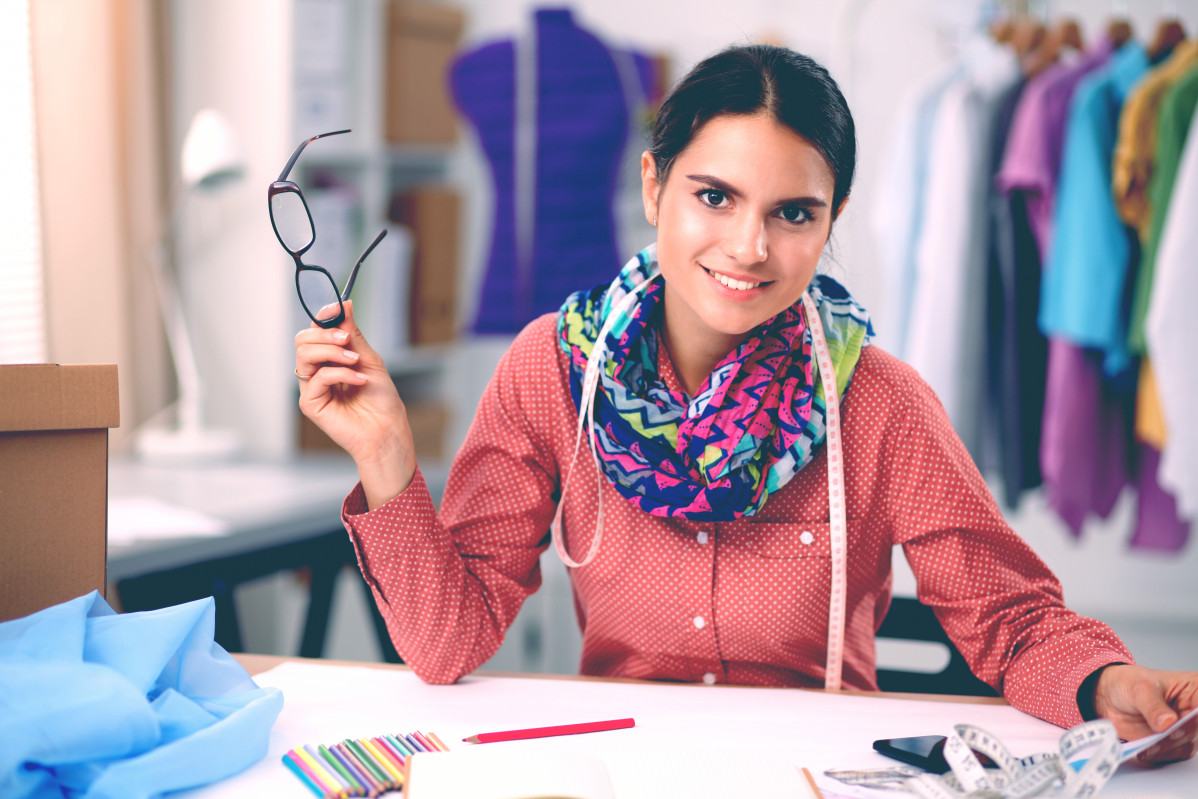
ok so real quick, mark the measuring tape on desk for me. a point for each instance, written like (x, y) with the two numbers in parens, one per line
(837, 520)
(1045, 774)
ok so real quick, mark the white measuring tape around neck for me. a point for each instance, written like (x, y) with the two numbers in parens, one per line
(836, 488)
(837, 519)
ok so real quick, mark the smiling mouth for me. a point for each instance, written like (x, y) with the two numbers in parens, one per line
(735, 285)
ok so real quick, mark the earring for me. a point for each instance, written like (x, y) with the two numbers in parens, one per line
(654, 221)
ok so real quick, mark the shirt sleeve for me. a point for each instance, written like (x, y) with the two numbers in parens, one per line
(449, 585)
(995, 598)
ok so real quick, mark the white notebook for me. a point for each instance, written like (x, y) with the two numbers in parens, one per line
(502, 771)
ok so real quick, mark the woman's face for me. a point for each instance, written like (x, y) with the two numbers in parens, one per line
(741, 222)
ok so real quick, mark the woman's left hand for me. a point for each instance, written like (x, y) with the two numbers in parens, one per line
(1142, 701)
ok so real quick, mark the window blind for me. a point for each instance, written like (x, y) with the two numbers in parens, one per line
(22, 306)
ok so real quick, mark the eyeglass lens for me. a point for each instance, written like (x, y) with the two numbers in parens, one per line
(291, 220)
(318, 294)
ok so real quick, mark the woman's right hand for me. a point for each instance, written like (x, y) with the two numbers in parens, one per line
(346, 391)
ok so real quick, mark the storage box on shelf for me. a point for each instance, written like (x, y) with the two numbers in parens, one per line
(422, 40)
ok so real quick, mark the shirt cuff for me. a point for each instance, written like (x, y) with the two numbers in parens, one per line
(1085, 692)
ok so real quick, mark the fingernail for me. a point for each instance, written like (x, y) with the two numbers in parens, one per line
(340, 336)
(353, 356)
(1164, 720)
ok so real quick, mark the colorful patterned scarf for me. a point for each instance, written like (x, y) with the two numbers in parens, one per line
(754, 422)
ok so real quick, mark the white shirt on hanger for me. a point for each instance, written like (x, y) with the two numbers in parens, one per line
(946, 340)
(1171, 329)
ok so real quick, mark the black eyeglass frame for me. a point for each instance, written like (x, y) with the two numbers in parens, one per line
(284, 186)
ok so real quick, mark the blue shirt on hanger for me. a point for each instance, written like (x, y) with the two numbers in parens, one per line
(1085, 283)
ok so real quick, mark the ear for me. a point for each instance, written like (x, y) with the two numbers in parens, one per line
(840, 208)
(650, 187)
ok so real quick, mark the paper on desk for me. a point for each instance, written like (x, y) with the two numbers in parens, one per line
(140, 518)
(328, 702)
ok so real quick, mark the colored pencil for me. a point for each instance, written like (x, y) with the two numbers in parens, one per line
(372, 782)
(297, 771)
(380, 757)
(412, 740)
(399, 745)
(424, 740)
(376, 770)
(322, 775)
(335, 768)
(399, 757)
(814, 788)
(351, 769)
(440, 744)
(338, 781)
(544, 732)
(303, 766)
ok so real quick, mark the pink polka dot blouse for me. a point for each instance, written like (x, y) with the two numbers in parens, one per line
(743, 602)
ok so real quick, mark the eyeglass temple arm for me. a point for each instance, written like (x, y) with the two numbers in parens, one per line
(295, 156)
(353, 275)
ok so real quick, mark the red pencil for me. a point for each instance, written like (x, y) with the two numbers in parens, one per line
(545, 732)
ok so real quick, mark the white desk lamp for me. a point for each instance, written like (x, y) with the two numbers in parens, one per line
(209, 162)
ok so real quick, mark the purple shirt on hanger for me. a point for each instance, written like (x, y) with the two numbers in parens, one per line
(1032, 162)
(1083, 442)
(1083, 430)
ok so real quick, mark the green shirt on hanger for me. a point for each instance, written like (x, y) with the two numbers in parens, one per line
(1173, 125)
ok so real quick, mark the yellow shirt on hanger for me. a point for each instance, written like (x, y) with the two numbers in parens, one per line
(1135, 148)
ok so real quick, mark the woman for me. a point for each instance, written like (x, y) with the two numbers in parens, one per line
(699, 508)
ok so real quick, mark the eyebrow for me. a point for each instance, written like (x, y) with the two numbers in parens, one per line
(723, 186)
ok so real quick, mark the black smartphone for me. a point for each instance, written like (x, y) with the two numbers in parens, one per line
(923, 751)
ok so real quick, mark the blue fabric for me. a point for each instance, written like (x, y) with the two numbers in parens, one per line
(99, 705)
(1084, 294)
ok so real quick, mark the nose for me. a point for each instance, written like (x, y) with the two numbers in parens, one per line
(745, 241)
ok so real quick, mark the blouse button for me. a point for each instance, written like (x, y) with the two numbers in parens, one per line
(700, 622)
(709, 678)
(701, 537)
(807, 537)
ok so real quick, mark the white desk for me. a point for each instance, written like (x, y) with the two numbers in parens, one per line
(326, 702)
(277, 516)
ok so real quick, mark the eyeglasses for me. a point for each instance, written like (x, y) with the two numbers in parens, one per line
(292, 222)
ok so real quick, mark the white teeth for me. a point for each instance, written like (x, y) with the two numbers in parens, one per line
(739, 285)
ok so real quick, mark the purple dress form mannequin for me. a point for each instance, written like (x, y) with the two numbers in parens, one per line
(552, 111)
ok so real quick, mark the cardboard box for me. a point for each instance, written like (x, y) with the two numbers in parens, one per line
(54, 424)
(431, 213)
(422, 41)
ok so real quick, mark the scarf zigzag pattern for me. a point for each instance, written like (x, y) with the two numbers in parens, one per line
(753, 424)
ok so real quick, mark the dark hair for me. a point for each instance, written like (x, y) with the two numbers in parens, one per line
(760, 78)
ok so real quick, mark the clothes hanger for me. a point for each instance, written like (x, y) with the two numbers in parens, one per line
(1065, 33)
(1001, 30)
(1169, 34)
(1026, 35)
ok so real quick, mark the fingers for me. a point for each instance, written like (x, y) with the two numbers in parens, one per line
(317, 346)
(326, 377)
(1149, 696)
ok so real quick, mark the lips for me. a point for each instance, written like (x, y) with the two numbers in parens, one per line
(733, 283)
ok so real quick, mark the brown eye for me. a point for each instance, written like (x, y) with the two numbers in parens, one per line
(713, 197)
(794, 213)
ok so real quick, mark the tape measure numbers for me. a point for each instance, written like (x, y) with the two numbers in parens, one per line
(836, 498)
